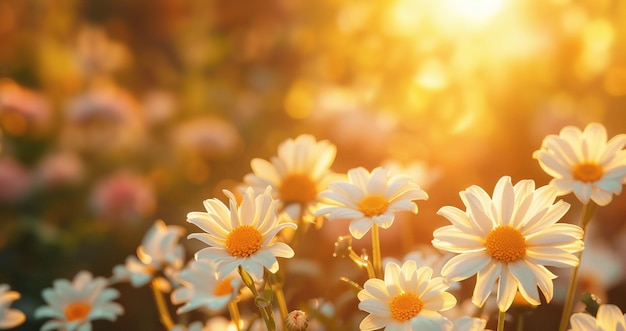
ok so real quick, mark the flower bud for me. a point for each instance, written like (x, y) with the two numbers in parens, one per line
(296, 321)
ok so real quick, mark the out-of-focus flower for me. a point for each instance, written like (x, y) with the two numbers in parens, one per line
(206, 138)
(9, 318)
(419, 171)
(103, 119)
(470, 324)
(241, 235)
(72, 306)
(370, 198)
(609, 318)
(407, 298)
(214, 323)
(96, 54)
(585, 163)
(60, 170)
(508, 238)
(298, 174)
(203, 288)
(22, 111)
(159, 106)
(15, 180)
(160, 251)
(123, 197)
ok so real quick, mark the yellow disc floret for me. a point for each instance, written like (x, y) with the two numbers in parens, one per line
(506, 244)
(243, 241)
(77, 311)
(298, 188)
(405, 306)
(373, 205)
(587, 172)
(223, 287)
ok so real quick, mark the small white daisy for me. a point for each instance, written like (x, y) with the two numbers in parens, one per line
(609, 318)
(202, 287)
(72, 306)
(241, 235)
(406, 299)
(584, 162)
(370, 198)
(160, 251)
(298, 174)
(509, 238)
(9, 318)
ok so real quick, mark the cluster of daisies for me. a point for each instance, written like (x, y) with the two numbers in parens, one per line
(509, 239)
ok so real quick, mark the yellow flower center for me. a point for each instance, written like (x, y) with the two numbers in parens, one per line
(243, 241)
(223, 287)
(298, 188)
(77, 311)
(587, 172)
(405, 306)
(373, 205)
(506, 244)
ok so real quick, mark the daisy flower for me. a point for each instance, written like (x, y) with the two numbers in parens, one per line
(406, 299)
(585, 163)
(241, 235)
(609, 318)
(298, 174)
(370, 198)
(9, 318)
(159, 252)
(74, 305)
(509, 238)
(202, 287)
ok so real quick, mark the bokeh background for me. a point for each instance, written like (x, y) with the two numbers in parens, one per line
(116, 113)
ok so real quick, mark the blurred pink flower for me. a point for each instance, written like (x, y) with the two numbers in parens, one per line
(104, 118)
(15, 180)
(207, 138)
(97, 54)
(22, 111)
(60, 169)
(123, 197)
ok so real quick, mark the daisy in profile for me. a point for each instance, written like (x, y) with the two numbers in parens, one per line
(609, 318)
(9, 318)
(508, 239)
(72, 306)
(369, 199)
(241, 235)
(160, 252)
(585, 163)
(201, 287)
(298, 174)
(407, 299)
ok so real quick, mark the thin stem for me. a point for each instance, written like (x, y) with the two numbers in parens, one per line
(501, 318)
(587, 213)
(265, 310)
(376, 258)
(520, 322)
(282, 303)
(362, 263)
(233, 310)
(164, 313)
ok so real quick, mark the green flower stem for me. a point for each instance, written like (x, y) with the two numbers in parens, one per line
(233, 310)
(164, 313)
(277, 288)
(501, 318)
(587, 213)
(376, 258)
(362, 263)
(520, 322)
(264, 309)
